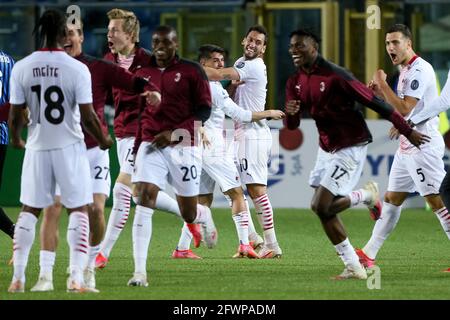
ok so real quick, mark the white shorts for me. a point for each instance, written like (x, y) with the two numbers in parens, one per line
(218, 166)
(68, 167)
(322, 160)
(339, 172)
(125, 154)
(180, 166)
(253, 154)
(100, 175)
(422, 172)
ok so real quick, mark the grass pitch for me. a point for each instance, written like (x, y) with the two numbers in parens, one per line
(411, 263)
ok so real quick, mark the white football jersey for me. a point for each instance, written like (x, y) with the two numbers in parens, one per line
(418, 80)
(252, 94)
(431, 110)
(223, 105)
(52, 84)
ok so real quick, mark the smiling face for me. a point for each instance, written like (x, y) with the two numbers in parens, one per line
(73, 43)
(118, 40)
(303, 51)
(216, 60)
(254, 45)
(164, 45)
(399, 48)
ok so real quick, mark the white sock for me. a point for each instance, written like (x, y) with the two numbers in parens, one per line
(167, 203)
(185, 238)
(77, 238)
(46, 263)
(93, 251)
(347, 253)
(252, 234)
(264, 208)
(118, 217)
(359, 196)
(24, 232)
(202, 214)
(241, 222)
(444, 219)
(142, 234)
(383, 228)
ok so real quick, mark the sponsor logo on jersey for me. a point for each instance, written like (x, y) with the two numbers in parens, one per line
(240, 65)
(414, 84)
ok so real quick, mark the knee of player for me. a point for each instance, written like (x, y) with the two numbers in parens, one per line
(147, 197)
(53, 212)
(320, 208)
(96, 210)
(235, 193)
(393, 198)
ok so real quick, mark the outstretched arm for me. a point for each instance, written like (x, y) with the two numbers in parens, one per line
(438, 105)
(365, 96)
(221, 74)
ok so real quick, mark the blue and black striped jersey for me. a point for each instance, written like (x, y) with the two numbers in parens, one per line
(6, 65)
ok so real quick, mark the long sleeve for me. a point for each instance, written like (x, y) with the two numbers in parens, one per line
(438, 105)
(292, 121)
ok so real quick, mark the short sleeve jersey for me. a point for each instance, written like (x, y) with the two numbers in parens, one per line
(418, 80)
(252, 94)
(51, 84)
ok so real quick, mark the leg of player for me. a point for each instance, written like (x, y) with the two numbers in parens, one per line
(256, 241)
(198, 216)
(444, 190)
(240, 217)
(49, 242)
(368, 195)
(23, 240)
(442, 201)
(437, 205)
(6, 225)
(142, 232)
(78, 240)
(264, 211)
(321, 203)
(183, 250)
(392, 207)
(118, 217)
(97, 227)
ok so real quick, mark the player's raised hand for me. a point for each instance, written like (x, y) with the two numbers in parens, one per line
(417, 138)
(276, 114)
(292, 107)
(379, 75)
(107, 143)
(152, 97)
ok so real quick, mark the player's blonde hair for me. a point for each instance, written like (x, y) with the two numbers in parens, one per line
(130, 22)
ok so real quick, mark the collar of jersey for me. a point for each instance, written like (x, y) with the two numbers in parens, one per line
(410, 62)
(50, 49)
